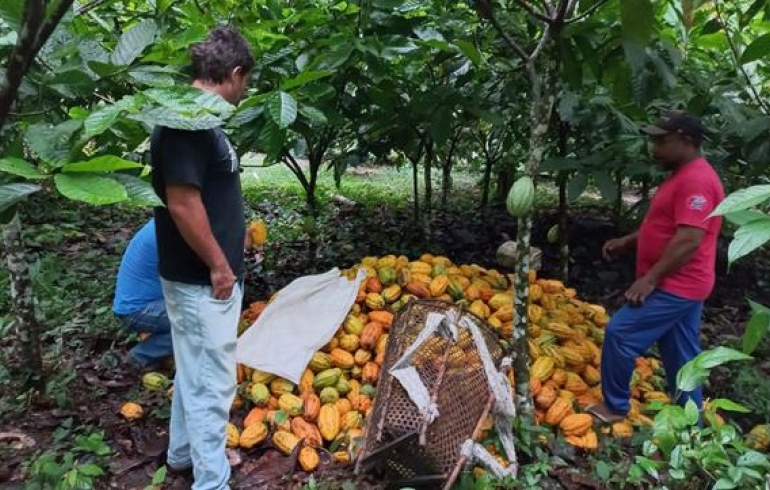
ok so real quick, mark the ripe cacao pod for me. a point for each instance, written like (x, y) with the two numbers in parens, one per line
(560, 408)
(329, 422)
(258, 376)
(371, 373)
(342, 359)
(575, 384)
(420, 267)
(255, 416)
(499, 300)
(480, 309)
(353, 325)
(131, 411)
(438, 285)
(373, 285)
(285, 441)
(759, 437)
(418, 289)
(311, 406)
(307, 431)
(343, 406)
(546, 397)
(381, 316)
(592, 376)
(291, 404)
(371, 335)
(280, 386)
(387, 275)
(542, 368)
(521, 197)
(349, 342)
(253, 435)
(576, 424)
(382, 344)
(622, 429)
(308, 459)
(391, 293)
(233, 436)
(341, 457)
(362, 356)
(352, 420)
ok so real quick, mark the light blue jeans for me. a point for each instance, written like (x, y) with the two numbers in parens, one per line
(153, 320)
(204, 332)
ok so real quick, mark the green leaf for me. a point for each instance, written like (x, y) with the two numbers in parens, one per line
(92, 189)
(691, 412)
(740, 218)
(101, 120)
(748, 238)
(637, 18)
(140, 192)
(106, 163)
(316, 116)
(753, 458)
(282, 108)
(133, 42)
(756, 329)
(21, 168)
(272, 140)
(305, 77)
(470, 51)
(695, 372)
(11, 194)
(90, 469)
(606, 185)
(12, 12)
(729, 405)
(758, 49)
(724, 484)
(162, 116)
(576, 186)
(743, 199)
(602, 470)
(160, 476)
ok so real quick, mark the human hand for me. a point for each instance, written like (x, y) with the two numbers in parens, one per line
(640, 290)
(613, 248)
(222, 282)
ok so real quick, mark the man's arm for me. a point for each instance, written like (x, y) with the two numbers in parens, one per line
(186, 209)
(613, 248)
(679, 251)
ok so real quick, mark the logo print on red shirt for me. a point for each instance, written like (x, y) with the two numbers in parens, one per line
(697, 203)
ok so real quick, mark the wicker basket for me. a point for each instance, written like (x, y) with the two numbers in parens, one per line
(454, 375)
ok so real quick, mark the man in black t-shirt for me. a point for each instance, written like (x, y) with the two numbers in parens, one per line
(200, 235)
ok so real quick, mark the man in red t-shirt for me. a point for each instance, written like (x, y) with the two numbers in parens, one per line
(675, 267)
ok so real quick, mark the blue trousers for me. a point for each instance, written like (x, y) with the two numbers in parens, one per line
(153, 320)
(671, 321)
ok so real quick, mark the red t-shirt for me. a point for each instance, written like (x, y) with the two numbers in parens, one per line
(686, 197)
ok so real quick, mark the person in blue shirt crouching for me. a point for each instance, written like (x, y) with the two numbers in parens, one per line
(139, 303)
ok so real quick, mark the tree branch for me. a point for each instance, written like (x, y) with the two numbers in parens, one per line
(508, 40)
(587, 13)
(21, 57)
(733, 48)
(531, 11)
(50, 24)
(84, 9)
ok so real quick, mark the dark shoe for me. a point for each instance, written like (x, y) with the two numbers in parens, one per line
(604, 414)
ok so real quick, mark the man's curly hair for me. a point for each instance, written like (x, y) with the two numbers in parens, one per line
(214, 59)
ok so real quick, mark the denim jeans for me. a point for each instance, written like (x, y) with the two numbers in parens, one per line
(152, 320)
(204, 331)
(672, 322)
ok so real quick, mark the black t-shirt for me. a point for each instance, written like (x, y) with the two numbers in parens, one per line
(206, 160)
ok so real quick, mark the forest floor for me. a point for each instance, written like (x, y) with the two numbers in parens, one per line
(75, 250)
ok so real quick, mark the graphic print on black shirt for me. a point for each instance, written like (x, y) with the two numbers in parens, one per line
(206, 160)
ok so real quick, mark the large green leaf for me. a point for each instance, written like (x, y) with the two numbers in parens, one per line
(12, 12)
(272, 140)
(743, 199)
(740, 218)
(92, 189)
(282, 108)
(469, 49)
(638, 20)
(695, 372)
(316, 116)
(576, 186)
(758, 49)
(140, 192)
(304, 78)
(11, 194)
(756, 329)
(748, 238)
(21, 168)
(105, 163)
(606, 185)
(133, 42)
(162, 116)
(728, 405)
(102, 119)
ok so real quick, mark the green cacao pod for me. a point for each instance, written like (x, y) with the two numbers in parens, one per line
(521, 197)
(329, 395)
(259, 394)
(154, 381)
(326, 379)
(387, 275)
(553, 234)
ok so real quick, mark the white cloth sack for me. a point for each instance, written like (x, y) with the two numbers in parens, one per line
(301, 319)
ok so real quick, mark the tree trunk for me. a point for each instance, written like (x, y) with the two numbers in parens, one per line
(540, 115)
(428, 214)
(446, 177)
(619, 201)
(27, 328)
(563, 228)
(486, 182)
(416, 188)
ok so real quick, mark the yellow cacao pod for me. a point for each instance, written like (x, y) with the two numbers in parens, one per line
(501, 299)
(253, 435)
(560, 408)
(480, 309)
(343, 406)
(542, 368)
(233, 436)
(329, 422)
(375, 301)
(341, 457)
(592, 376)
(258, 376)
(352, 420)
(622, 429)
(306, 381)
(362, 356)
(391, 293)
(280, 386)
(759, 437)
(308, 459)
(575, 384)
(353, 325)
(291, 404)
(259, 394)
(285, 441)
(131, 411)
(419, 267)
(382, 344)
(321, 361)
(438, 286)
(577, 424)
(349, 342)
